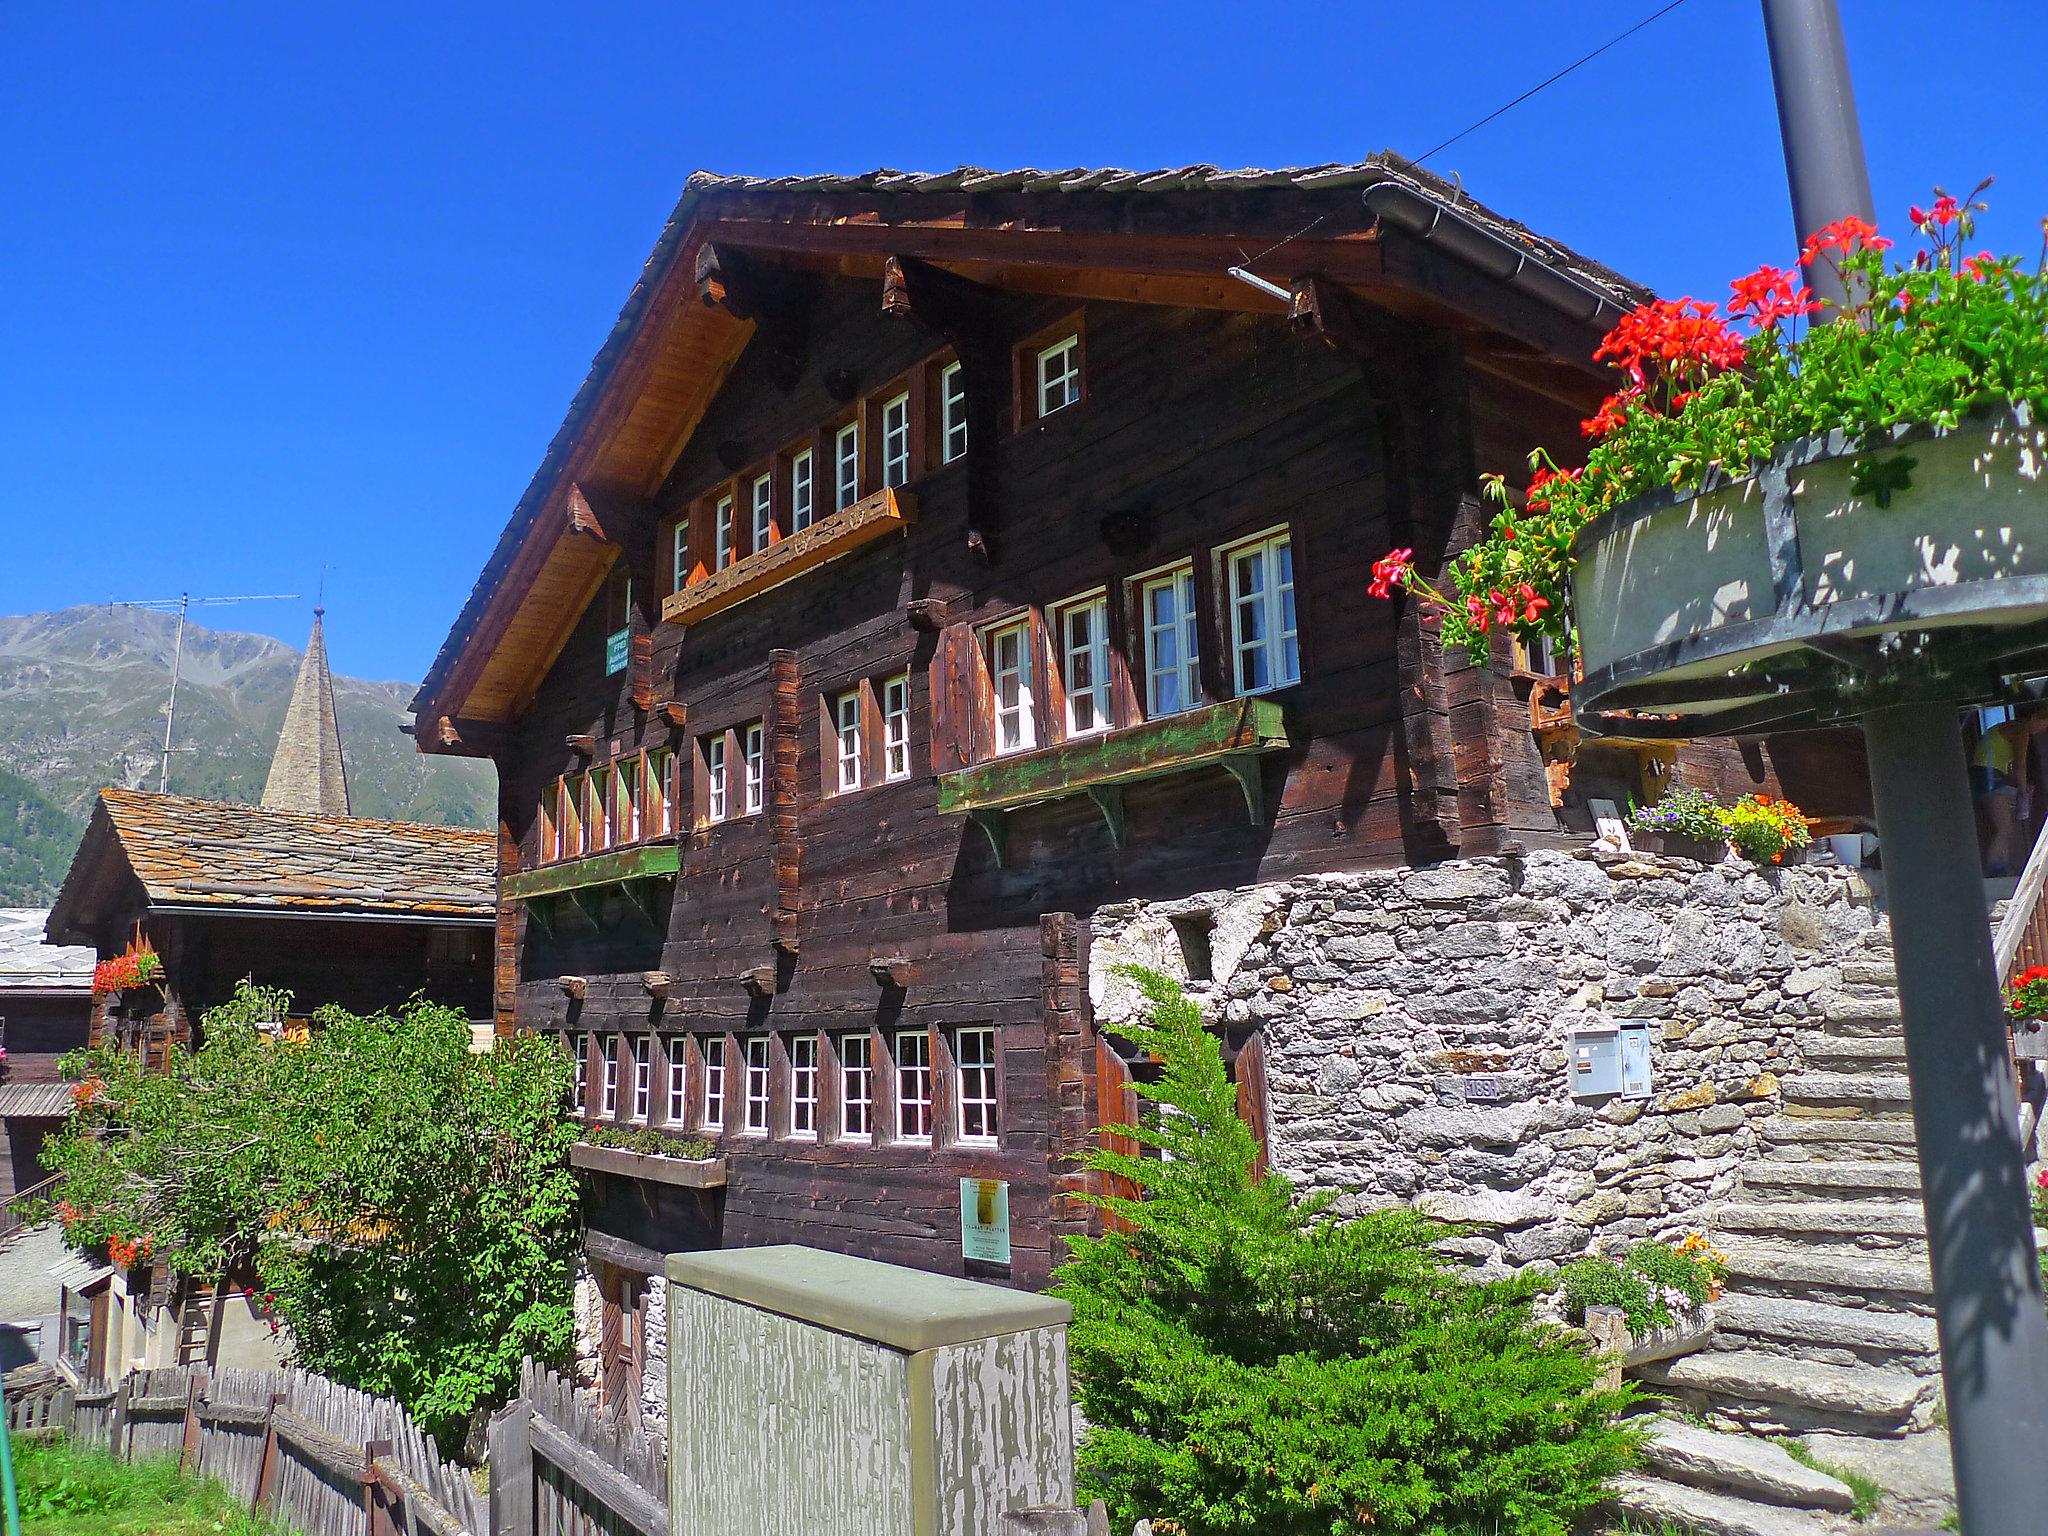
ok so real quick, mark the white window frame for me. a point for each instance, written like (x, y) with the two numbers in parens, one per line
(1019, 712)
(597, 797)
(661, 775)
(1059, 375)
(679, 555)
(803, 489)
(952, 412)
(977, 1095)
(763, 496)
(1185, 671)
(896, 727)
(1088, 704)
(857, 1084)
(1269, 606)
(713, 1048)
(643, 1078)
(846, 466)
(896, 439)
(579, 1060)
(722, 550)
(849, 767)
(609, 1046)
(803, 1087)
(717, 791)
(758, 1060)
(754, 755)
(913, 1083)
(677, 1049)
(628, 784)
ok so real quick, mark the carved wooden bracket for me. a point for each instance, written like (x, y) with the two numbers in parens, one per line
(675, 712)
(582, 743)
(760, 980)
(780, 303)
(574, 987)
(657, 984)
(926, 614)
(890, 970)
(583, 517)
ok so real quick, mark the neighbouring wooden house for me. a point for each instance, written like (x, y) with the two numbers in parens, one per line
(929, 560)
(45, 1012)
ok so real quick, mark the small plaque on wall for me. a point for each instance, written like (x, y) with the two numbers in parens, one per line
(985, 1220)
(618, 649)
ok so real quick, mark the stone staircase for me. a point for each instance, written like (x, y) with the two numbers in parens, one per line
(1828, 1322)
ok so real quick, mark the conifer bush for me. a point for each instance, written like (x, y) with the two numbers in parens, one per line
(1247, 1362)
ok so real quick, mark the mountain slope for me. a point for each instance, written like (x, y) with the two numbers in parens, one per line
(82, 695)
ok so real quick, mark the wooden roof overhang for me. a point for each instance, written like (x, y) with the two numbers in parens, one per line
(669, 353)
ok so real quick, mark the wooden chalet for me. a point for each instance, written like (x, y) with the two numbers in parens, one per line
(45, 1006)
(930, 559)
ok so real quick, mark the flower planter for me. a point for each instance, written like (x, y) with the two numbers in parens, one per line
(685, 1172)
(1685, 1336)
(1751, 602)
(1699, 849)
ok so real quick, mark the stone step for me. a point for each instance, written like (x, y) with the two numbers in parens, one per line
(1746, 1465)
(1779, 1394)
(1827, 1332)
(1844, 1093)
(1866, 1224)
(1899, 1284)
(1875, 1012)
(1823, 1051)
(1651, 1503)
(1794, 1136)
(1773, 1179)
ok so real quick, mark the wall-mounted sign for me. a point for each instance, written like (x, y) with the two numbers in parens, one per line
(985, 1220)
(1482, 1086)
(618, 647)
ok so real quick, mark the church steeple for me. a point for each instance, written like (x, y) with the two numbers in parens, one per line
(307, 774)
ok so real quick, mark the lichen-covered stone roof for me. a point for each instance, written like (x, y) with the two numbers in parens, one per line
(30, 961)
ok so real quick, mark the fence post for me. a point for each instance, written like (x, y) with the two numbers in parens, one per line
(1609, 1328)
(1044, 1520)
(511, 1464)
(1098, 1519)
(271, 1463)
(195, 1393)
(378, 1519)
(117, 1422)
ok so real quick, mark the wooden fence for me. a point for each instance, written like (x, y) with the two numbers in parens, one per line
(322, 1459)
(560, 1467)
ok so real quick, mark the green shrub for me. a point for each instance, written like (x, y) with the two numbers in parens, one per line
(1247, 1363)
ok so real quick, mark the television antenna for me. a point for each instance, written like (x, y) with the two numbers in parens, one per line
(182, 604)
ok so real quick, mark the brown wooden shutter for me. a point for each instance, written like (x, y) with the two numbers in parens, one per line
(1250, 1071)
(611, 1338)
(1116, 1103)
(955, 685)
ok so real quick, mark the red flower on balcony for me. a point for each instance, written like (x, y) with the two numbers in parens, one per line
(1390, 571)
(124, 972)
(1847, 236)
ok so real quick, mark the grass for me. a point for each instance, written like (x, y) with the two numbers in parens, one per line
(69, 1490)
(1868, 1491)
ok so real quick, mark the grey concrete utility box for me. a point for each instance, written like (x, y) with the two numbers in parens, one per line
(812, 1394)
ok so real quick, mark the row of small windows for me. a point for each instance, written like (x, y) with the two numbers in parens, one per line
(613, 806)
(861, 1085)
(877, 445)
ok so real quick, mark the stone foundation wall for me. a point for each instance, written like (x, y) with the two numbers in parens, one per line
(1382, 995)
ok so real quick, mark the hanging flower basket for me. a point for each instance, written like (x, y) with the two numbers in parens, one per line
(127, 973)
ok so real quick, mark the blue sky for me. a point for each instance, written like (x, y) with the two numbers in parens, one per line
(285, 286)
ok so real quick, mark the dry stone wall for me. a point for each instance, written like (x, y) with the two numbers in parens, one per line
(1415, 1024)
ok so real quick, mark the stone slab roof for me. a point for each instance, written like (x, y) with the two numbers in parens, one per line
(28, 961)
(203, 853)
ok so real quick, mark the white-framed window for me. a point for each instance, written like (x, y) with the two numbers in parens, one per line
(846, 736)
(913, 1085)
(722, 534)
(764, 511)
(802, 488)
(1265, 644)
(712, 1047)
(803, 1086)
(609, 1105)
(568, 818)
(1083, 629)
(846, 466)
(1059, 375)
(679, 556)
(1008, 654)
(579, 1065)
(626, 801)
(896, 727)
(896, 439)
(857, 1084)
(760, 1079)
(677, 1049)
(661, 780)
(1173, 679)
(974, 1083)
(754, 748)
(717, 801)
(643, 1078)
(597, 809)
(952, 412)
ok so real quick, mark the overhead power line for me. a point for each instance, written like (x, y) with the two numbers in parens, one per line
(1619, 37)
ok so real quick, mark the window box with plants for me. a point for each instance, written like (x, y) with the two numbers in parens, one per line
(1689, 824)
(642, 1152)
(127, 973)
(1665, 1294)
(1793, 525)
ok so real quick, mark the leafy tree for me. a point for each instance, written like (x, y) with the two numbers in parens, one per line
(408, 1205)
(1249, 1363)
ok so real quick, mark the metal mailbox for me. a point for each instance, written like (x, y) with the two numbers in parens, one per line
(1608, 1061)
(810, 1392)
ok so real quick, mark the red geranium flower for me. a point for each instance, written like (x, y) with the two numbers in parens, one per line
(1768, 295)
(1845, 235)
(1390, 571)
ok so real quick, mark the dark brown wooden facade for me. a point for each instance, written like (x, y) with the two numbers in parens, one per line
(949, 893)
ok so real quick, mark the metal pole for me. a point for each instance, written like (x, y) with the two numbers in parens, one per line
(163, 779)
(1987, 1280)
(1817, 113)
